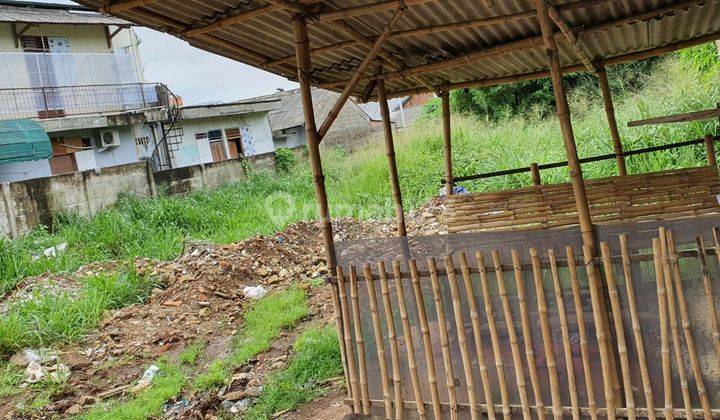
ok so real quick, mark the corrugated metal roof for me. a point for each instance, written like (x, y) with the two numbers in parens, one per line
(609, 28)
(38, 13)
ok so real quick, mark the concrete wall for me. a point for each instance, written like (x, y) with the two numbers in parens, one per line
(26, 204)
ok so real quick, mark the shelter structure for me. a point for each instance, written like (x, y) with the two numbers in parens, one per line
(379, 49)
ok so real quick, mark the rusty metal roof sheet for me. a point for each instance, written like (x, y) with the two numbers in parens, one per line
(495, 44)
(55, 14)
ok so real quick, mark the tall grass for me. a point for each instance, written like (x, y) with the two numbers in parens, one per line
(358, 184)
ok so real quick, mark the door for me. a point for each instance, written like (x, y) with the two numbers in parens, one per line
(218, 151)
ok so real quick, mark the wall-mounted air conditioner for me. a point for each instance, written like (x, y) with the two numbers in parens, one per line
(107, 138)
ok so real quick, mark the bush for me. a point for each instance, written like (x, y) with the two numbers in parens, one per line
(284, 159)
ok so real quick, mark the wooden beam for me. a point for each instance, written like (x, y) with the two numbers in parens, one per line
(17, 35)
(302, 47)
(287, 4)
(122, 6)
(392, 163)
(367, 9)
(232, 20)
(684, 117)
(576, 43)
(335, 111)
(612, 121)
(447, 142)
(110, 35)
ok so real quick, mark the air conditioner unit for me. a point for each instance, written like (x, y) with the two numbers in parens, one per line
(107, 138)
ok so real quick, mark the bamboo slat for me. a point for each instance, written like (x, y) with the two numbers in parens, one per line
(477, 334)
(527, 335)
(664, 335)
(462, 338)
(360, 342)
(379, 341)
(392, 338)
(409, 344)
(512, 336)
(635, 320)
(709, 297)
(427, 342)
(687, 328)
(674, 331)
(582, 331)
(494, 339)
(357, 404)
(619, 329)
(548, 345)
(444, 339)
(565, 330)
(337, 312)
(600, 331)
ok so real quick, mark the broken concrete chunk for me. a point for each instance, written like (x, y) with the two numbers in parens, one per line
(254, 292)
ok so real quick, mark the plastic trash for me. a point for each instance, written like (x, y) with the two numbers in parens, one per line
(254, 292)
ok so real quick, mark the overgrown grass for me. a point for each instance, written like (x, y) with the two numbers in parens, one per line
(263, 323)
(316, 359)
(47, 317)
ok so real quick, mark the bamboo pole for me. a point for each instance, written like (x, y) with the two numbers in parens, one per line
(600, 331)
(710, 150)
(379, 342)
(392, 338)
(635, 320)
(494, 338)
(337, 311)
(687, 331)
(355, 389)
(447, 142)
(716, 239)
(512, 336)
(392, 164)
(444, 339)
(619, 330)
(477, 334)
(664, 338)
(548, 345)
(535, 174)
(612, 121)
(527, 335)
(409, 344)
(427, 342)
(709, 296)
(302, 50)
(360, 342)
(565, 331)
(582, 331)
(577, 44)
(674, 331)
(462, 338)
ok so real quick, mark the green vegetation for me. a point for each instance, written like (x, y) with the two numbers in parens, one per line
(49, 317)
(317, 359)
(263, 323)
(285, 160)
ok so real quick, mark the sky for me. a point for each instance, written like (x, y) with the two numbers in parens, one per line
(201, 77)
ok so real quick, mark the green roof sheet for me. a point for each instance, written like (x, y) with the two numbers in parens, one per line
(22, 141)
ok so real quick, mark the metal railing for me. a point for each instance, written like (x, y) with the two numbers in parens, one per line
(62, 101)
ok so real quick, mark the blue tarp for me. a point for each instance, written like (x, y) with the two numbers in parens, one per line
(22, 141)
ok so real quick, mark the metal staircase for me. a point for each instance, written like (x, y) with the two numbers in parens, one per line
(172, 133)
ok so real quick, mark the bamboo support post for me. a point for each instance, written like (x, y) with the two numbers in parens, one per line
(337, 311)
(494, 337)
(445, 340)
(547, 340)
(512, 336)
(535, 174)
(447, 142)
(709, 296)
(619, 330)
(710, 150)
(392, 163)
(600, 331)
(477, 334)
(664, 337)
(527, 334)
(379, 342)
(360, 342)
(687, 328)
(427, 342)
(582, 331)
(565, 331)
(302, 51)
(392, 338)
(409, 344)
(635, 320)
(350, 354)
(612, 121)
(462, 338)
(716, 239)
(674, 330)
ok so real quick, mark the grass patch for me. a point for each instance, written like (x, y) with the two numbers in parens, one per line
(264, 322)
(192, 353)
(47, 318)
(317, 358)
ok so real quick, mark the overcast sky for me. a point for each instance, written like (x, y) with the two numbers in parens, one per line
(199, 76)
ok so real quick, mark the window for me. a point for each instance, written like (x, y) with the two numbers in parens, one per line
(214, 135)
(34, 43)
(200, 136)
